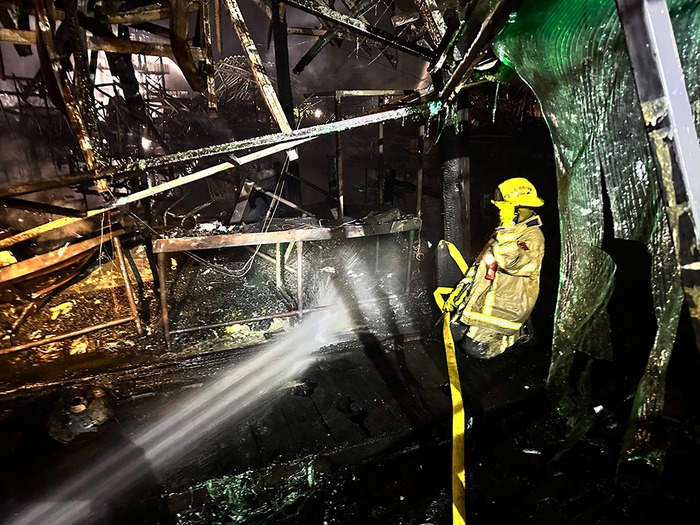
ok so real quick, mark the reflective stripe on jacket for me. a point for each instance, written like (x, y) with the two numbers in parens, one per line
(504, 303)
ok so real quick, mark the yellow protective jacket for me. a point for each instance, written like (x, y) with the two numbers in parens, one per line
(504, 303)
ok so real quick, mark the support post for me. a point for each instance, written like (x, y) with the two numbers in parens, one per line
(284, 88)
(668, 117)
(278, 265)
(453, 150)
(339, 162)
(419, 198)
(162, 284)
(300, 279)
(380, 165)
(121, 264)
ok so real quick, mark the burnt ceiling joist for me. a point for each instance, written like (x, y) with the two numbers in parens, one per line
(361, 28)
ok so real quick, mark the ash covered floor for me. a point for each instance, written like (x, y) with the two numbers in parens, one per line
(362, 436)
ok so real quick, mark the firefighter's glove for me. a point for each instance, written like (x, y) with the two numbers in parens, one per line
(506, 212)
(457, 297)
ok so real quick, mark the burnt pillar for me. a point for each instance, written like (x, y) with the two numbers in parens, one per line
(284, 88)
(454, 166)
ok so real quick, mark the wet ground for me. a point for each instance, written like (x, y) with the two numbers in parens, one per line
(363, 436)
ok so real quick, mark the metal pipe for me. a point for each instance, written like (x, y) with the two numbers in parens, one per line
(250, 320)
(56, 338)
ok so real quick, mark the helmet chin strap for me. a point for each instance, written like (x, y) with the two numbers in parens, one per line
(523, 214)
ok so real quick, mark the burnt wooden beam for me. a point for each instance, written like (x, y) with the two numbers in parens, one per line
(9, 25)
(149, 13)
(668, 118)
(208, 54)
(53, 73)
(226, 148)
(43, 228)
(432, 18)
(17, 36)
(179, 21)
(106, 44)
(347, 231)
(353, 24)
(23, 204)
(479, 37)
(305, 31)
(261, 78)
(324, 40)
(46, 260)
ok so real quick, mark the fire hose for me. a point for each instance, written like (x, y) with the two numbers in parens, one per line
(455, 296)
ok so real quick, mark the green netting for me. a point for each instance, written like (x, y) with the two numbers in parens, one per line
(573, 55)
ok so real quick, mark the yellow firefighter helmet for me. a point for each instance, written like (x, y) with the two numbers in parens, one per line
(518, 192)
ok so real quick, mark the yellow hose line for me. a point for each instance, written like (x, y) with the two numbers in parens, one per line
(458, 421)
(458, 475)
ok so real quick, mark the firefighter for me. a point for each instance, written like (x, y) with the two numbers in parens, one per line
(491, 306)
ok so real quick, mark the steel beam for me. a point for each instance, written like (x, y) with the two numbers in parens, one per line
(373, 33)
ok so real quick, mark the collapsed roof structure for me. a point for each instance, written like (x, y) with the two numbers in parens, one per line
(141, 125)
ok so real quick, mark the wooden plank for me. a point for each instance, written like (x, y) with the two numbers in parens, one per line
(17, 36)
(348, 231)
(40, 262)
(149, 13)
(43, 228)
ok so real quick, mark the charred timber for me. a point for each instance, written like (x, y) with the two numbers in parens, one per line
(259, 73)
(179, 18)
(347, 231)
(356, 11)
(361, 28)
(432, 19)
(479, 38)
(149, 13)
(227, 148)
